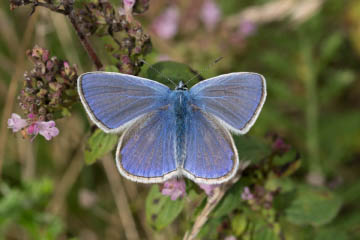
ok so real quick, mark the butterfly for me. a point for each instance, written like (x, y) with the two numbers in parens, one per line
(171, 133)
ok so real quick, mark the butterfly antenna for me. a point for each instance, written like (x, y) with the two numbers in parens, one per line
(205, 69)
(163, 75)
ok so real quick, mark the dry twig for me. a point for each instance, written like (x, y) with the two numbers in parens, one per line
(298, 11)
(122, 204)
(10, 98)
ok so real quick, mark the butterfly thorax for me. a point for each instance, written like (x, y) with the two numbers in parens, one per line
(180, 100)
(181, 86)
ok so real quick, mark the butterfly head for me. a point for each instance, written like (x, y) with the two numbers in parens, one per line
(181, 86)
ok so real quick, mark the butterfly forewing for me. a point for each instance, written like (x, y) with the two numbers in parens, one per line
(235, 99)
(114, 99)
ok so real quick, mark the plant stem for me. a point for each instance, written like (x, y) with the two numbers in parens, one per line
(212, 202)
(85, 42)
(308, 72)
(121, 201)
(12, 90)
(70, 13)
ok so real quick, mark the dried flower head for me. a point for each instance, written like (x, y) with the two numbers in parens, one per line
(130, 42)
(49, 88)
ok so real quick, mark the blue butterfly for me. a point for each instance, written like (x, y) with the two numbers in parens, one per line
(170, 133)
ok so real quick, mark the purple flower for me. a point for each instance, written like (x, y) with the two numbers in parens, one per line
(166, 25)
(46, 129)
(246, 28)
(33, 127)
(128, 7)
(210, 14)
(280, 146)
(174, 188)
(208, 188)
(247, 195)
(16, 123)
(129, 3)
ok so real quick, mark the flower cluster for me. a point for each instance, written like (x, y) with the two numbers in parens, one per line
(32, 126)
(130, 42)
(49, 89)
(210, 14)
(167, 24)
(174, 188)
(279, 146)
(208, 188)
(17, 3)
(259, 197)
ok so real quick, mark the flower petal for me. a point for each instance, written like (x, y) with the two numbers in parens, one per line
(48, 129)
(174, 188)
(16, 123)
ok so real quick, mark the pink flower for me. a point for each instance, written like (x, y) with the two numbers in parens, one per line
(246, 28)
(33, 127)
(129, 3)
(247, 195)
(128, 6)
(47, 129)
(166, 25)
(280, 146)
(208, 188)
(210, 14)
(16, 123)
(174, 188)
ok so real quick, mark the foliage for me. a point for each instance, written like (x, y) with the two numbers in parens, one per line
(301, 155)
(24, 209)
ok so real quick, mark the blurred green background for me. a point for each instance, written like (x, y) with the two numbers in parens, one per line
(309, 53)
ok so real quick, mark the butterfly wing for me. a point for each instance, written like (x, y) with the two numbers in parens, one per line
(235, 99)
(145, 151)
(211, 156)
(113, 100)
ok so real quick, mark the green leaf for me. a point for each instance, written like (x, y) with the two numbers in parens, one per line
(111, 68)
(251, 149)
(98, 145)
(232, 199)
(287, 164)
(176, 72)
(210, 230)
(331, 234)
(330, 47)
(238, 224)
(313, 206)
(160, 209)
(263, 231)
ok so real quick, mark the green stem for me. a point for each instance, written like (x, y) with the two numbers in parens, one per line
(308, 73)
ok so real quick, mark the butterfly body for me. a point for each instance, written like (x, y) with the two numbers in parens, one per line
(167, 133)
(181, 113)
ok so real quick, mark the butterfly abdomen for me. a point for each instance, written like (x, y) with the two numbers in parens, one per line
(181, 99)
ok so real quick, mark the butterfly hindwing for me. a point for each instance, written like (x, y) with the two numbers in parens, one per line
(211, 156)
(114, 99)
(146, 149)
(235, 99)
